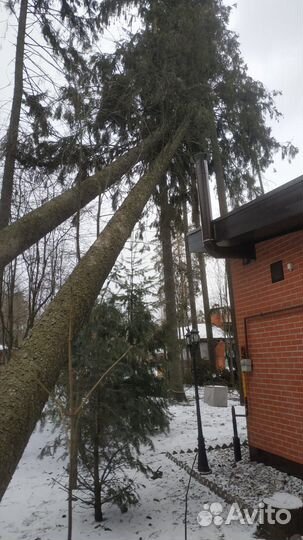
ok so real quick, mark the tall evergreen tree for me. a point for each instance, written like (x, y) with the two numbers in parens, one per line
(43, 356)
(172, 342)
(181, 60)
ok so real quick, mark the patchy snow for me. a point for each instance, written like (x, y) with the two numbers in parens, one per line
(35, 507)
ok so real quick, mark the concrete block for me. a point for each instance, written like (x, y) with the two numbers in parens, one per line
(215, 396)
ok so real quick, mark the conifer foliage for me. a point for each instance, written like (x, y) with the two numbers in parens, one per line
(181, 73)
(124, 411)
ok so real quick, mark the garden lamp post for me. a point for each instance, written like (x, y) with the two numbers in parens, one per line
(193, 342)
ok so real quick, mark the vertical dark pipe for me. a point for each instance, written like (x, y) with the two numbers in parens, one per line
(214, 250)
(236, 440)
(204, 197)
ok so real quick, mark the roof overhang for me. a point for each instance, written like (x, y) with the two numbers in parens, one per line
(274, 214)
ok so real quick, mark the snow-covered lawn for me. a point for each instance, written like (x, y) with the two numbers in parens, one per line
(35, 508)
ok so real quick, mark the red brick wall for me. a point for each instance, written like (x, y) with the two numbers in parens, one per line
(220, 355)
(275, 345)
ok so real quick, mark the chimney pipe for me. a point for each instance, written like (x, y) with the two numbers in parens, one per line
(208, 239)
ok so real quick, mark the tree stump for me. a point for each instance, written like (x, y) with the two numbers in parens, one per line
(283, 517)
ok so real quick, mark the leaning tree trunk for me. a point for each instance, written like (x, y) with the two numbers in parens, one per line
(28, 230)
(27, 381)
(204, 286)
(13, 128)
(173, 349)
(220, 181)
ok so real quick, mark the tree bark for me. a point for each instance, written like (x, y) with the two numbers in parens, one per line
(13, 128)
(25, 232)
(203, 277)
(72, 431)
(219, 172)
(27, 381)
(220, 180)
(173, 349)
(189, 270)
(97, 483)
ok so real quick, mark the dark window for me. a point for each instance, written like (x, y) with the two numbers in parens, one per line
(277, 273)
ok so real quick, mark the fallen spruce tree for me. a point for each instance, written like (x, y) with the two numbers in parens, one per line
(20, 235)
(29, 378)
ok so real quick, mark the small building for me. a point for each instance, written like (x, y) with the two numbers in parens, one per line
(264, 240)
(219, 343)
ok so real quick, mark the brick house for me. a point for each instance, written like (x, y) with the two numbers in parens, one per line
(264, 240)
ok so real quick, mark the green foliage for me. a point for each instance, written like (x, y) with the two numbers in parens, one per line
(124, 411)
(185, 57)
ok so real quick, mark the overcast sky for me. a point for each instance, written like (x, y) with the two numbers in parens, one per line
(271, 39)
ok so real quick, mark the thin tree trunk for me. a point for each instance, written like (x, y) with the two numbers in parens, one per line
(204, 286)
(208, 323)
(78, 246)
(74, 435)
(10, 309)
(72, 426)
(173, 349)
(26, 382)
(13, 129)
(220, 180)
(189, 271)
(29, 229)
(12, 132)
(260, 181)
(219, 171)
(99, 213)
(97, 483)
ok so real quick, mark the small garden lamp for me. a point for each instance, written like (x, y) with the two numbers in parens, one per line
(193, 342)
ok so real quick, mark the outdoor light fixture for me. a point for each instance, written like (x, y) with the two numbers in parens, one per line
(193, 342)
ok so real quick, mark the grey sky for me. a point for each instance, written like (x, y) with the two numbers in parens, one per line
(270, 33)
(271, 39)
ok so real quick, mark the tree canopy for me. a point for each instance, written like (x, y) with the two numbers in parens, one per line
(175, 87)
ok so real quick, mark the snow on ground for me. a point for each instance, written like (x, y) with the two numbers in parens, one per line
(35, 508)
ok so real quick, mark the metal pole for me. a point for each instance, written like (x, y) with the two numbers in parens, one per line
(237, 444)
(203, 466)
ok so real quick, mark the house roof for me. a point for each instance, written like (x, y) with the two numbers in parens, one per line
(276, 213)
(217, 332)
